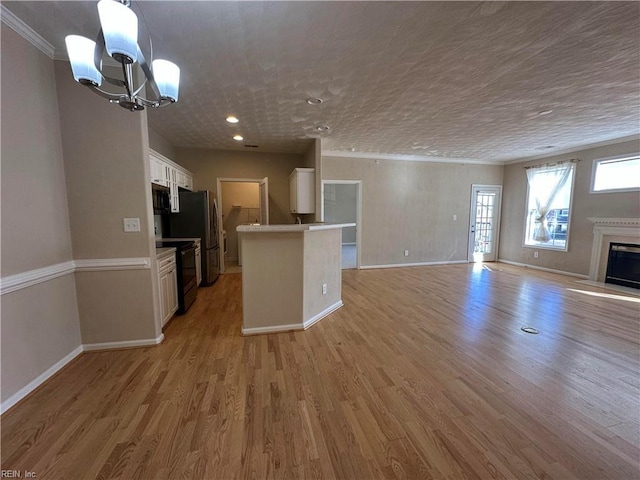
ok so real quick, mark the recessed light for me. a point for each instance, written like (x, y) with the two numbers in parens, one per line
(238, 138)
(545, 112)
(322, 128)
(232, 119)
(314, 101)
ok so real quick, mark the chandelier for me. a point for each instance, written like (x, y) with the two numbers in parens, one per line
(119, 35)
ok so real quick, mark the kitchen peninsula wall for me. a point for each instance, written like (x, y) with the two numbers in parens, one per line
(208, 165)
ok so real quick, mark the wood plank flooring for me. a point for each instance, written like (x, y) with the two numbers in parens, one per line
(424, 373)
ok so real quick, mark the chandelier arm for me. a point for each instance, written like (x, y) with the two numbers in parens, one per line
(109, 96)
(148, 73)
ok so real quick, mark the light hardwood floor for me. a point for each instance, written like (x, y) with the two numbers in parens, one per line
(424, 373)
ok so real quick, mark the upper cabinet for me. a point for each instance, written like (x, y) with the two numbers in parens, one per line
(169, 174)
(302, 190)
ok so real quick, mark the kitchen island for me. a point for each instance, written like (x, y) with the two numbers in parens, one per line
(291, 275)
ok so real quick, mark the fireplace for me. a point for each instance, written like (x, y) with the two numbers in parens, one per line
(623, 266)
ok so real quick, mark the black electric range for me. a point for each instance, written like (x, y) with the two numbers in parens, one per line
(186, 271)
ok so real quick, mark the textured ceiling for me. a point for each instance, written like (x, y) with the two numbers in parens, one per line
(456, 80)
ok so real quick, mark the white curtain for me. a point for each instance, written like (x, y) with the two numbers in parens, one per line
(544, 185)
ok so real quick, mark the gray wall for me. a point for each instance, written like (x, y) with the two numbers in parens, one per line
(161, 144)
(106, 155)
(600, 205)
(208, 165)
(410, 205)
(40, 324)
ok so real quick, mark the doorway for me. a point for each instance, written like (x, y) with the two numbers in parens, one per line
(484, 222)
(342, 203)
(240, 201)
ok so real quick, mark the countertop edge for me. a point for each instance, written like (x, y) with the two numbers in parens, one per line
(290, 228)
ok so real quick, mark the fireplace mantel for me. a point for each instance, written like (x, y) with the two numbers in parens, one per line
(610, 227)
(615, 222)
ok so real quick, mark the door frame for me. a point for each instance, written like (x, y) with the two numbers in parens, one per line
(472, 215)
(358, 184)
(219, 182)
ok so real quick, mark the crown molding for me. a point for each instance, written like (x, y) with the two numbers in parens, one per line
(26, 32)
(575, 149)
(408, 158)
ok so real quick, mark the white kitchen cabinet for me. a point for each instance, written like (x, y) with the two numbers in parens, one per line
(165, 172)
(302, 190)
(168, 280)
(198, 263)
(159, 171)
(173, 191)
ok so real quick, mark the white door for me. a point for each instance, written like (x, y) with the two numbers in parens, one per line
(264, 201)
(484, 223)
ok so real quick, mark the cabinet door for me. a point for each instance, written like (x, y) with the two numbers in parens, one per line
(293, 193)
(173, 287)
(157, 171)
(173, 190)
(164, 295)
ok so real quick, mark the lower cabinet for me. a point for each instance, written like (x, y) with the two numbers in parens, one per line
(168, 277)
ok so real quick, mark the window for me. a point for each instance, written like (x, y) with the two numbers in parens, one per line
(549, 206)
(619, 174)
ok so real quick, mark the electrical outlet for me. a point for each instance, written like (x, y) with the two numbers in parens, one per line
(535, 254)
(406, 253)
(324, 288)
(455, 217)
(131, 224)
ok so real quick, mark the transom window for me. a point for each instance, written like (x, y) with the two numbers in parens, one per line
(618, 174)
(549, 205)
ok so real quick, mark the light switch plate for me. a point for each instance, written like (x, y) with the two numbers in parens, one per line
(131, 224)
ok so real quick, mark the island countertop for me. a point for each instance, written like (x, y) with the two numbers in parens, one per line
(291, 228)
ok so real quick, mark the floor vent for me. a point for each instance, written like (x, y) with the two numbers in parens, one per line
(530, 330)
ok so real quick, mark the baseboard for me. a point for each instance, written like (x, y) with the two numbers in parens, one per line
(535, 267)
(275, 329)
(147, 342)
(419, 264)
(39, 380)
(322, 314)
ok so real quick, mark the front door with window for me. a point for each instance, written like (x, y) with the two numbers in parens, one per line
(484, 223)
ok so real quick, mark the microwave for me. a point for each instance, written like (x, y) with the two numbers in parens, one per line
(161, 199)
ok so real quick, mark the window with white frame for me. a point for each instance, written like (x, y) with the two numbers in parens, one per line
(549, 205)
(617, 174)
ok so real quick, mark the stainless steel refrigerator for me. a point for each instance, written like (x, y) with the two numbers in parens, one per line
(198, 218)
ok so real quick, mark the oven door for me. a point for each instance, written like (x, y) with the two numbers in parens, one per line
(189, 275)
